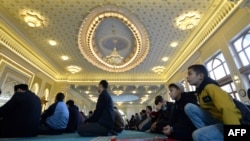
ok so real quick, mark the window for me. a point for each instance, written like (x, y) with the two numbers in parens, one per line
(217, 67)
(241, 47)
(218, 70)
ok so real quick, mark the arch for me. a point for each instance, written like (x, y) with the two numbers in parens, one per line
(35, 88)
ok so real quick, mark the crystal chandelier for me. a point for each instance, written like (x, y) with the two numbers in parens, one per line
(117, 92)
(114, 58)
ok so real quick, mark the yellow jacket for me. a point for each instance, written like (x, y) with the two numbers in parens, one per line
(220, 104)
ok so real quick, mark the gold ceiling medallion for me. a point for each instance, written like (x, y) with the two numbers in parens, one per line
(188, 20)
(113, 62)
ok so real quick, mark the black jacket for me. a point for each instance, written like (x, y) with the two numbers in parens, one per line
(164, 117)
(182, 125)
(74, 119)
(104, 112)
(20, 116)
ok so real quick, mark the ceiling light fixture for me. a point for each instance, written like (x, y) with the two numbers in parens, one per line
(94, 99)
(188, 20)
(158, 69)
(52, 42)
(174, 44)
(165, 59)
(65, 57)
(74, 69)
(117, 92)
(119, 103)
(32, 19)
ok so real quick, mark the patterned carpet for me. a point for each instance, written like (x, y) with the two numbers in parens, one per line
(126, 135)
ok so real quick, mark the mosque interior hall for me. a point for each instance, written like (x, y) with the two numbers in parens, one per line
(138, 46)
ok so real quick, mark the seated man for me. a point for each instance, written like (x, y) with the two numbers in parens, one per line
(119, 122)
(74, 117)
(180, 127)
(20, 116)
(54, 120)
(145, 123)
(165, 114)
(101, 123)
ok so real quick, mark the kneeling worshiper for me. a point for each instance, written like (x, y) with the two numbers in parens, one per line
(102, 121)
(20, 116)
(54, 120)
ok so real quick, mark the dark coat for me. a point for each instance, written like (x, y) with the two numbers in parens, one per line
(104, 112)
(182, 125)
(20, 116)
(74, 119)
(164, 117)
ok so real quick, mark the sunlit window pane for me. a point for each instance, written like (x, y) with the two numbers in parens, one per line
(248, 52)
(243, 58)
(246, 41)
(227, 88)
(233, 87)
(226, 68)
(211, 74)
(221, 57)
(216, 63)
(237, 96)
(219, 73)
(209, 66)
(232, 96)
(237, 44)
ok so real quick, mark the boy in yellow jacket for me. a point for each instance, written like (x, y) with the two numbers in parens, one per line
(216, 106)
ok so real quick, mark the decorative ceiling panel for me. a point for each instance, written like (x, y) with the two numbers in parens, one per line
(61, 20)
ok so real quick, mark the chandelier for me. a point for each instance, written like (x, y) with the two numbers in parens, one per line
(114, 58)
(117, 92)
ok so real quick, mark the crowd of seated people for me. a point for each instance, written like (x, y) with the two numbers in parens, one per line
(193, 116)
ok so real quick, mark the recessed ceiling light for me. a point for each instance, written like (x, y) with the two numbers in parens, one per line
(174, 44)
(165, 59)
(65, 57)
(52, 42)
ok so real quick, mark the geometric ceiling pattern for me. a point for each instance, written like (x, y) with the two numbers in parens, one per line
(132, 44)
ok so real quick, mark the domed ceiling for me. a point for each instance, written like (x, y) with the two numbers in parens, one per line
(137, 45)
(113, 39)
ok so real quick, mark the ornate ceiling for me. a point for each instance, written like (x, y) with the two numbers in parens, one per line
(135, 45)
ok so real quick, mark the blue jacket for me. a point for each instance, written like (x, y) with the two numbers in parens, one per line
(57, 115)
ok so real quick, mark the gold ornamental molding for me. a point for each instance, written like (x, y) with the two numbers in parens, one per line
(219, 15)
(88, 46)
(11, 43)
